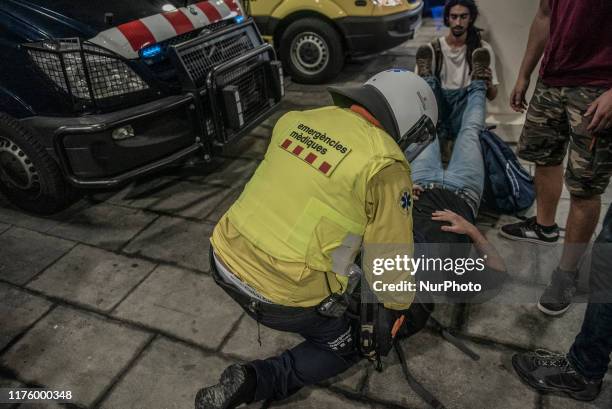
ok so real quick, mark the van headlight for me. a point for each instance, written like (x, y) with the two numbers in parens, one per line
(388, 3)
(83, 70)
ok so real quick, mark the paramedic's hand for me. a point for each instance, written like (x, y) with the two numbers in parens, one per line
(416, 191)
(458, 224)
(601, 109)
(517, 98)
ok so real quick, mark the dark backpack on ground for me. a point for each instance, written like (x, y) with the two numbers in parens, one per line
(508, 186)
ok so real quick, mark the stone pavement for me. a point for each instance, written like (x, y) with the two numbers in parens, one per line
(112, 299)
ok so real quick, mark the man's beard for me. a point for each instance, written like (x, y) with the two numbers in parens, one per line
(458, 31)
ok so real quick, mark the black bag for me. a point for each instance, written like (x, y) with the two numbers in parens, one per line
(380, 327)
(376, 330)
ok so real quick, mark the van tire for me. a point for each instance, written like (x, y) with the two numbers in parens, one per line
(311, 50)
(29, 177)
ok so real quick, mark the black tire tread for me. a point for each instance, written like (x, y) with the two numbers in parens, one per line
(57, 194)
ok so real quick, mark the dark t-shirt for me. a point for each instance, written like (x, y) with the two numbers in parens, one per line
(439, 199)
(443, 244)
(579, 50)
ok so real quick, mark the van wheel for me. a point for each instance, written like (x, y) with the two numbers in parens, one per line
(29, 177)
(311, 50)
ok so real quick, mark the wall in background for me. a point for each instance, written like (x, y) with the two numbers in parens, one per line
(507, 29)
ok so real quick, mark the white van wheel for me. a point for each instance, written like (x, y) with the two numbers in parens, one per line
(312, 51)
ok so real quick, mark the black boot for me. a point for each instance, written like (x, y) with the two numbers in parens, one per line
(549, 372)
(236, 386)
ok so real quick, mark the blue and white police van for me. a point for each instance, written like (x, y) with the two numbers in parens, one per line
(94, 94)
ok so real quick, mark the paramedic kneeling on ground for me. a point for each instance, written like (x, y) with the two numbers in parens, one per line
(332, 180)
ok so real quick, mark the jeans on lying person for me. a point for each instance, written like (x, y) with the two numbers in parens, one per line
(464, 110)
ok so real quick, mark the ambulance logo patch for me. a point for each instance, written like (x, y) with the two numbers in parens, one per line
(315, 148)
(405, 201)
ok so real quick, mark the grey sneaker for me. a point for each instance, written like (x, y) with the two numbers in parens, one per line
(236, 386)
(424, 61)
(549, 372)
(481, 60)
(557, 297)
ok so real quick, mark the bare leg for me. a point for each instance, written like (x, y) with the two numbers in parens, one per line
(548, 184)
(581, 224)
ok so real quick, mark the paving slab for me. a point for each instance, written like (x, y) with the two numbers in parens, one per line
(521, 258)
(221, 171)
(104, 225)
(444, 313)
(262, 132)
(353, 379)
(167, 375)
(606, 198)
(243, 342)
(184, 199)
(40, 405)
(175, 240)
(9, 384)
(224, 206)
(187, 305)
(316, 398)
(603, 401)
(93, 277)
(18, 310)
(309, 99)
(272, 119)
(456, 380)
(523, 324)
(25, 253)
(16, 217)
(4, 227)
(74, 351)
(138, 189)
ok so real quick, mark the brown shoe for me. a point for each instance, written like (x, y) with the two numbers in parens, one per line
(424, 61)
(481, 61)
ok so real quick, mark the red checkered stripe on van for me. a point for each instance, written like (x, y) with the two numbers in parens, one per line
(129, 38)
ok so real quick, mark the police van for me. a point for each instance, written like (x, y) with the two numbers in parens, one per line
(314, 37)
(95, 94)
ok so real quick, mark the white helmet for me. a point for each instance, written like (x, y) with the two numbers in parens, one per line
(401, 101)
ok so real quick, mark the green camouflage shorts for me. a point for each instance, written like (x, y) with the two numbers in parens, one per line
(554, 121)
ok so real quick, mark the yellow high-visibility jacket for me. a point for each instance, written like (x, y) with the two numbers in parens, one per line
(329, 182)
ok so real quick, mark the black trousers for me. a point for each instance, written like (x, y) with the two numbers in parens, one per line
(329, 347)
(590, 353)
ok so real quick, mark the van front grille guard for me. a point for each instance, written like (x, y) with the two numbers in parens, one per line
(243, 91)
(236, 83)
(91, 76)
(196, 57)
